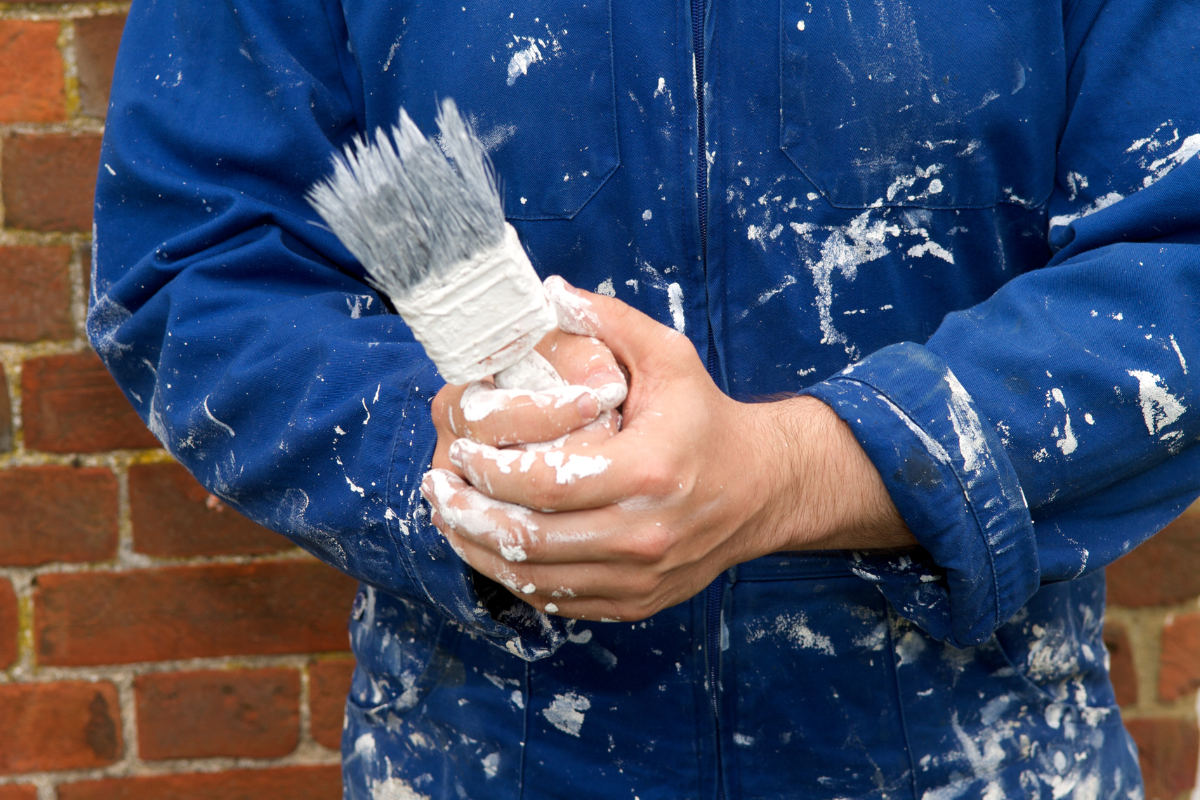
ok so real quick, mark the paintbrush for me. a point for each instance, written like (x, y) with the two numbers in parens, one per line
(433, 238)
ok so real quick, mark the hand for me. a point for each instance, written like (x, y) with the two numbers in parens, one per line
(583, 410)
(692, 484)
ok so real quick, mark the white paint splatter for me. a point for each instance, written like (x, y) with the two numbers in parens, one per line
(971, 442)
(936, 249)
(845, 250)
(566, 712)
(904, 182)
(1159, 168)
(909, 648)
(1067, 444)
(491, 764)
(228, 429)
(793, 627)
(1099, 204)
(606, 288)
(395, 789)
(675, 302)
(1179, 353)
(1159, 407)
(522, 60)
(497, 137)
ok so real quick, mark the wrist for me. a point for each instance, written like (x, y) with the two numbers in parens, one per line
(826, 493)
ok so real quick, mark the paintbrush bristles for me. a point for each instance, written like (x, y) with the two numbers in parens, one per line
(404, 211)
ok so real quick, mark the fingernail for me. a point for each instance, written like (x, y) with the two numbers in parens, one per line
(460, 450)
(437, 520)
(427, 487)
(588, 405)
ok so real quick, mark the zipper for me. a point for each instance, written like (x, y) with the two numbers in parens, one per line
(715, 591)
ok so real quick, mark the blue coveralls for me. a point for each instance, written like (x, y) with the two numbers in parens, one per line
(970, 228)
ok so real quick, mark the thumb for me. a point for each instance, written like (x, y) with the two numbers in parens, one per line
(629, 334)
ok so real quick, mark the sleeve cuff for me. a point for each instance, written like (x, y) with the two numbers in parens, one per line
(448, 584)
(952, 482)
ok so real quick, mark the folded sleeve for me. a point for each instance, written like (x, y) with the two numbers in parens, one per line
(1042, 434)
(240, 330)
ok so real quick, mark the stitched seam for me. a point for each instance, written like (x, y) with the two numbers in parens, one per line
(912, 766)
(962, 485)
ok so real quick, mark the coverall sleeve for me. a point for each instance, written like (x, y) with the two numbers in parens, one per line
(1042, 434)
(241, 331)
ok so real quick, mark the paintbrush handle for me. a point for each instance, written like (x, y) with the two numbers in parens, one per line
(532, 373)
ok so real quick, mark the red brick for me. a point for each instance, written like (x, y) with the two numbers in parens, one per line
(15, 791)
(328, 685)
(1179, 664)
(49, 181)
(72, 405)
(173, 515)
(8, 625)
(53, 726)
(294, 783)
(1162, 571)
(57, 513)
(203, 611)
(31, 72)
(35, 293)
(1167, 750)
(1121, 669)
(246, 713)
(96, 40)
(5, 415)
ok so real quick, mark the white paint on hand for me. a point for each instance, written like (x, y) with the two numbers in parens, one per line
(568, 469)
(575, 314)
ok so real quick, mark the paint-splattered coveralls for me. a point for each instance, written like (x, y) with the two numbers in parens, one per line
(990, 211)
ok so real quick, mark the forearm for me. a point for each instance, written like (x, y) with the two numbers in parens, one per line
(831, 497)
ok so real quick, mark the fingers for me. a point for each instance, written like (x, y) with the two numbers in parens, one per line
(514, 533)
(585, 361)
(502, 417)
(627, 332)
(561, 478)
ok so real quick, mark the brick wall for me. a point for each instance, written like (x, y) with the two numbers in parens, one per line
(154, 644)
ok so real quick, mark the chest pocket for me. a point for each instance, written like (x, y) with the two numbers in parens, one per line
(534, 78)
(939, 105)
